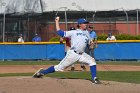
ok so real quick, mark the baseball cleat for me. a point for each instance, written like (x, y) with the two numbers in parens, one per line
(83, 67)
(96, 81)
(38, 73)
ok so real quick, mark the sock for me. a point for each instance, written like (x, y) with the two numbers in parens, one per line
(93, 71)
(49, 70)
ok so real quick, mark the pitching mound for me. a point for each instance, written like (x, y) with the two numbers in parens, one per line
(54, 85)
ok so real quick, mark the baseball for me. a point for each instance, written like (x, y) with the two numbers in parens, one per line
(57, 18)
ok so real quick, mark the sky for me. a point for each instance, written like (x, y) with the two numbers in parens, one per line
(93, 5)
(82, 5)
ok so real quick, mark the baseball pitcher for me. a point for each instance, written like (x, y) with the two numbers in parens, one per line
(79, 40)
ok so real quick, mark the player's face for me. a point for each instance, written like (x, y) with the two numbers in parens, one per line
(83, 26)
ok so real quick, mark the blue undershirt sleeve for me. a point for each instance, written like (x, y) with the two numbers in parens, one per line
(60, 32)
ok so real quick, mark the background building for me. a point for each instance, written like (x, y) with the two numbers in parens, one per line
(28, 17)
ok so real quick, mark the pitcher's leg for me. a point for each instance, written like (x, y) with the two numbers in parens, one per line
(41, 72)
(85, 58)
(69, 59)
(49, 70)
(93, 71)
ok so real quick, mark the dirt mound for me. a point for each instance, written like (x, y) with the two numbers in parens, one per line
(54, 85)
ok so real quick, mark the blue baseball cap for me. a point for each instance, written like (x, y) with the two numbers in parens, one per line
(82, 21)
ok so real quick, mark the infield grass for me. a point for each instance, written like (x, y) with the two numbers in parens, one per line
(39, 62)
(28, 62)
(120, 76)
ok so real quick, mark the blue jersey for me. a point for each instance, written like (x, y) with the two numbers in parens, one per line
(93, 35)
(36, 39)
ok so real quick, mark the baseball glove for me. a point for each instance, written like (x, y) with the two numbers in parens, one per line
(92, 45)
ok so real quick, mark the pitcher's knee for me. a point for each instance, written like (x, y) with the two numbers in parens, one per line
(92, 62)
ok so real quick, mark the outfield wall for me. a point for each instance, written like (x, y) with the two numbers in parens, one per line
(31, 51)
(119, 50)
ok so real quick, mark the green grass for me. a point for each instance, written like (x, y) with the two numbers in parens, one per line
(29, 62)
(120, 76)
(56, 62)
(134, 63)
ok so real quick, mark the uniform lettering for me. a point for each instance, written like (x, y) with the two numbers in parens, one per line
(80, 34)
